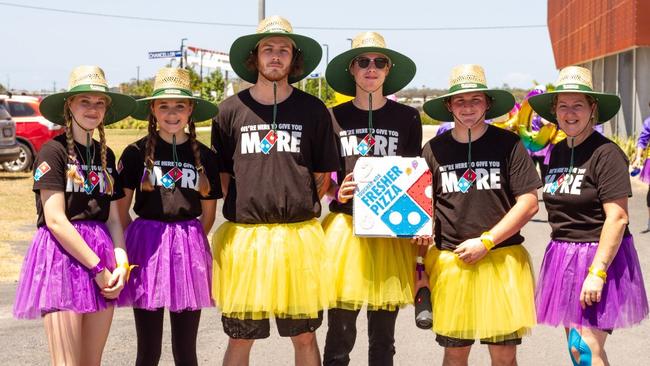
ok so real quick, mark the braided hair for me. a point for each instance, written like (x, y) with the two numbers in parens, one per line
(204, 183)
(150, 147)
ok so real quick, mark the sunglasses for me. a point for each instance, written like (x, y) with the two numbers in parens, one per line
(364, 62)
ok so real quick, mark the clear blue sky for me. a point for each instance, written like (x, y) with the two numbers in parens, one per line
(41, 47)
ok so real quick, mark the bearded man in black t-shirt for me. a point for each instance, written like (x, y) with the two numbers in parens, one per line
(276, 148)
(485, 189)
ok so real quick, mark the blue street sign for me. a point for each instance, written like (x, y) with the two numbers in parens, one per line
(165, 54)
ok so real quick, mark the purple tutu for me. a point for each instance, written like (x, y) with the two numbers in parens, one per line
(52, 280)
(644, 176)
(174, 266)
(565, 266)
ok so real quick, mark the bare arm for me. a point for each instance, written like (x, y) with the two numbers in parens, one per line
(209, 210)
(119, 275)
(610, 240)
(63, 231)
(473, 250)
(68, 236)
(225, 183)
(124, 207)
(616, 220)
(524, 209)
(322, 183)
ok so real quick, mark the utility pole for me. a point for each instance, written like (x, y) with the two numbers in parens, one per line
(350, 39)
(182, 51)
(261, 9)
(137, 79)
(54, 87)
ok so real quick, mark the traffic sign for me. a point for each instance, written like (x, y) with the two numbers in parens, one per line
(165, 54)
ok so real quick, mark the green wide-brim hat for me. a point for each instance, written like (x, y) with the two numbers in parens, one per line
(469, 79)
(274, 26)
(174, 83)
(575, 79)
(87, 79)
(401, 72)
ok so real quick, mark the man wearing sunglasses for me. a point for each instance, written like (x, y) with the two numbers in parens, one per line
(376, 272)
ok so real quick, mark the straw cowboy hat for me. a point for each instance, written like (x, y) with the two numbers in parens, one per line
(274, 26)
(469, 79)
(174, 83)
(401, 72)
(87, 79)
(575, 79)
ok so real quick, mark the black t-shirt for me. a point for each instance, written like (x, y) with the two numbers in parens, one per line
(502, 172)
(575, 207)
(397, 132)
(50, 171)
(272, 178)
(175, 196)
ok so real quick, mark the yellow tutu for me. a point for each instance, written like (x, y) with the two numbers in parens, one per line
(269, 270)
(374, 271)
(492, 299)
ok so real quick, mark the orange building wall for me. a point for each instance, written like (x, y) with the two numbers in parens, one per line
(583, 30)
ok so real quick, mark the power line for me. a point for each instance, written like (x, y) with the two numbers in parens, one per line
(218, 24)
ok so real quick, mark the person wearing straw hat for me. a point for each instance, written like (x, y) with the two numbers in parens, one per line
(485, 190)
(376, 272)
(175, 180)
(76, 265)
(276, 149)
(590, 278)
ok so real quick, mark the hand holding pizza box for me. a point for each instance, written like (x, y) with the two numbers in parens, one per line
(393, 197)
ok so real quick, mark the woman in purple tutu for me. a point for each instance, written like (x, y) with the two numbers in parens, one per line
(642, 162)
(590, 277)
(76, 264)
(176, 184)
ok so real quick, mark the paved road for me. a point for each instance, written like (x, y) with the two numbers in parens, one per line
(23, 342)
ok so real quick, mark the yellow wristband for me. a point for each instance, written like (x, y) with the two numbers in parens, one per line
(487, 240)
(598, 273)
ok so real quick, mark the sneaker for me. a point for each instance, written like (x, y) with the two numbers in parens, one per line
(423, 309)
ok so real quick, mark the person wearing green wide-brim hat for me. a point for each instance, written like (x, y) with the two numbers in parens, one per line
(76, 263)
(590, 262)
(485, 190)
(174, 179)
(276, 150)
(367, 271)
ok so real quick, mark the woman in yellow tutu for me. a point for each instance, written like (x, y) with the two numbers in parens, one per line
(485, 190)
(377, 272)
(276, 146)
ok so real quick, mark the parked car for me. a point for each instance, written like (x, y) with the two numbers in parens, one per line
(9, 149)
(32, 130)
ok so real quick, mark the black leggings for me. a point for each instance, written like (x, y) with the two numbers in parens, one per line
(647, 197)
(149, 329)
(342, 332)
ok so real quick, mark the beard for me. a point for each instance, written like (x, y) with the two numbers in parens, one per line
(274, 74)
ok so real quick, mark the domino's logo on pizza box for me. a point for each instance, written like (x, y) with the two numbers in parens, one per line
(394, 197)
